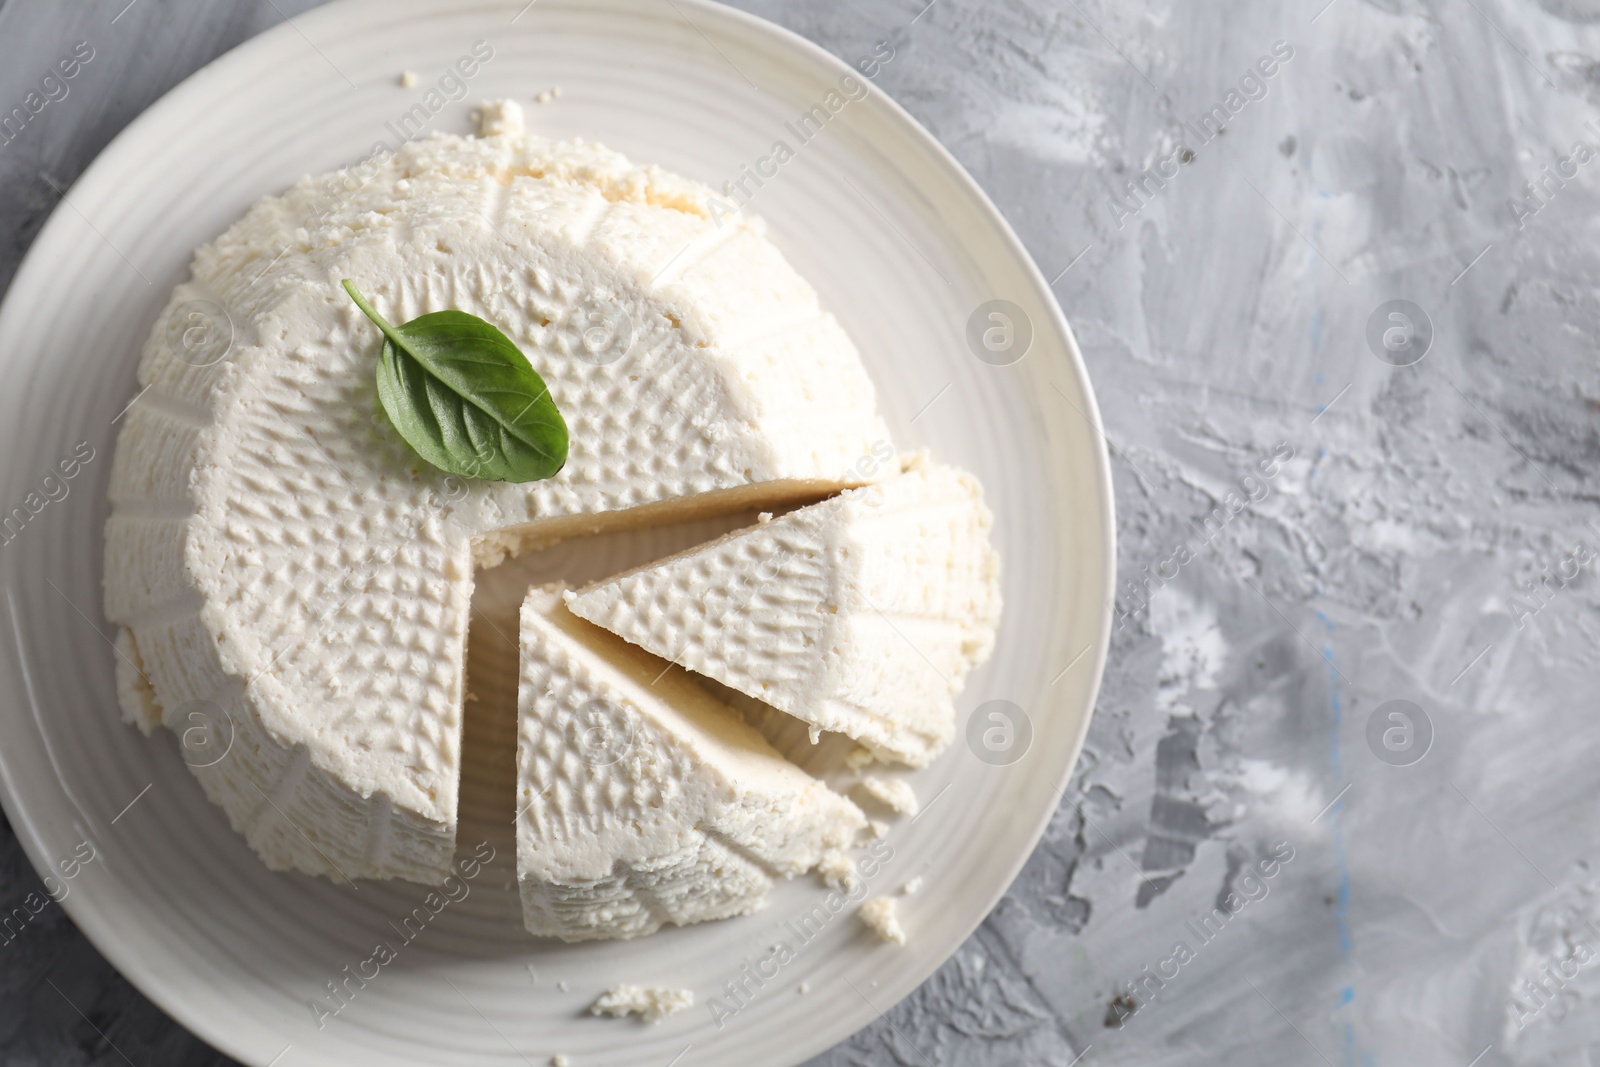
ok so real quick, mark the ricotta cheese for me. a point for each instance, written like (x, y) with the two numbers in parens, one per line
(881, 914)
(838, 872)
(894, 793)
(650, 1004)
(642, 799)
(861, 614)
(278, 556)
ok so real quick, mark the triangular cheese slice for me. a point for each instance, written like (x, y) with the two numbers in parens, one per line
(861, 614)
(643, 800)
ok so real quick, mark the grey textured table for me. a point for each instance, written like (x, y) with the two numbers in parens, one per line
(1330, 502)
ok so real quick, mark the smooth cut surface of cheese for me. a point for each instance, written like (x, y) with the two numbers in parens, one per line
(862, 614)
(280, 561)
(642, 799)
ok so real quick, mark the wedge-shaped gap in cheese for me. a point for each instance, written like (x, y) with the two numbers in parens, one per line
(643, 800)
(494, 660)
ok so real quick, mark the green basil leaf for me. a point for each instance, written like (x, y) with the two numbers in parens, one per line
(465, 398)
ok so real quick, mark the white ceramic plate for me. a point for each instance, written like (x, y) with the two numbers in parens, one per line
(904, 249)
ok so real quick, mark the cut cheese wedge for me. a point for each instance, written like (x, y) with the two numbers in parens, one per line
(862, 614)
(643, 800)
(282, 565)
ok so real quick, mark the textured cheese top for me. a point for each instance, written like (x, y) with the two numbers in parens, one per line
(642, 799)
(861, 614)
(277, 551)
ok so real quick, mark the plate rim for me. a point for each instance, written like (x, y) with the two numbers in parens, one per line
(99, 928)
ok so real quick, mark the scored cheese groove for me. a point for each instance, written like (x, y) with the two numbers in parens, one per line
(642, 800)
(275, 549)
(862, 614)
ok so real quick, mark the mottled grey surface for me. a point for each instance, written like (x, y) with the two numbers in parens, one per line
(1316, 531)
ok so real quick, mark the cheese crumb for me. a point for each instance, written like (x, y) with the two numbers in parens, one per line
(912, 886)
(543, 98)
(763, 518)
(651, 1004)
(837, 871)
(859, 758)
(879, 828)
(500, 118)
(894, 792)
(407, 79)
(558, 1060)
(803, 988)
(562, 985)
(879, 913)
